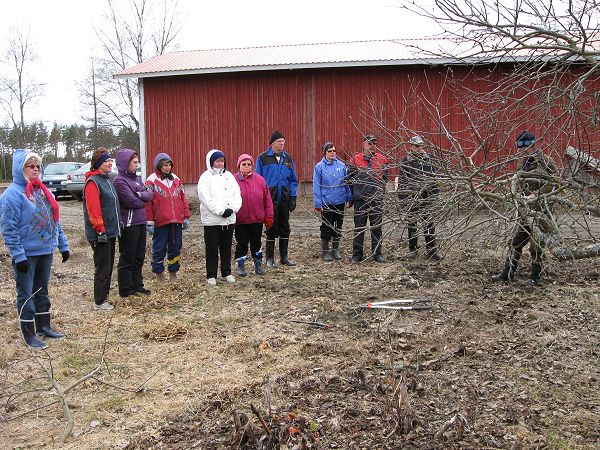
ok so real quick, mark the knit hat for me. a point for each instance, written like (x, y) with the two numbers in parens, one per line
(417, 140)
(244, 157)
(525, 139)
(371, 139)
(276, 134)
(215, 155)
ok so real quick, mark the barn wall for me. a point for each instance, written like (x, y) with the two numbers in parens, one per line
(188, 115)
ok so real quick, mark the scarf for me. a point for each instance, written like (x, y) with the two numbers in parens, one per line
(36, 183)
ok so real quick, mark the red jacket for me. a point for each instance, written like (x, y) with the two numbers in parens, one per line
(168, 204)
(256, 199)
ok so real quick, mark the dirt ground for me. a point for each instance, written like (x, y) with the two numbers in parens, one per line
(489, 366)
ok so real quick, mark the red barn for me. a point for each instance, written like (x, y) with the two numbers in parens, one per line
(232, 99)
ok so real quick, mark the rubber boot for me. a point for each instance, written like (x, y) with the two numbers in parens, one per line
(241, 266)
(160, 277)
(534, 278)
(172, 276)
(335, 250)
(28, 333)
(283, 252)
(270, 252)
(431, 245)
(510, 269)
(258, 270)
(326, 253)
(43, 328)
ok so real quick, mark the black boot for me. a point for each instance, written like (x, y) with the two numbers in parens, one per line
(42, 326)
(430, 243)
(534, 278)
(413, 240)
(325, 251)
(258, 270)
(28, 333)
(270, 252)
(283, 252)
(335, 252)
(241, 266)
(510, 269)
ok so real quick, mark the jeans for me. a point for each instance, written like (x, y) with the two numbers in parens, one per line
(33, 282)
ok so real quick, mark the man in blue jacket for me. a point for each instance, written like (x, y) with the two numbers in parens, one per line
(278, 170)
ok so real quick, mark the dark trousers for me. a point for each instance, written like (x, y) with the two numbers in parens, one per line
(363, 211)
(34, 283)
(132, 252)
(248, 234)
(520, 239)
(104, 259)
(419, 214)
(332, 220)
(281, 221)
(166, 241)
(217, 241)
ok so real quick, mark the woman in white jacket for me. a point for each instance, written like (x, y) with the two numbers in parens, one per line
(220, 199)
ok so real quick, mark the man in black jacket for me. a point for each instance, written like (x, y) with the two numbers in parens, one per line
(417, 188)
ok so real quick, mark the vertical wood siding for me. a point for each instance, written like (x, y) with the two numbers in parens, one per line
(188, 115)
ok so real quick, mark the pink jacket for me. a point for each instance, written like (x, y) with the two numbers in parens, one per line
(256, 199)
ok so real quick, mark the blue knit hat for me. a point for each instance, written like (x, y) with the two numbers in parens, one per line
(215, 155)
(525, 139)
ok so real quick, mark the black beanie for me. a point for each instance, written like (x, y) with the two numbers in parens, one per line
(276, 134)
(525, 139)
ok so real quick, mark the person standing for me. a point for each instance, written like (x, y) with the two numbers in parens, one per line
(417, 189)
(330, 195)
(277, 168)
(220, 200)
(539, 166)
(32, 230)
(257, 208)
(102, 219)
(133, 198)
(167, 215)
(367, 175)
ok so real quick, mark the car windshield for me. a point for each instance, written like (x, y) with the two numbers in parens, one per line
(59, 169)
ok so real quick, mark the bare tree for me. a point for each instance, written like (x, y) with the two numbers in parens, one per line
(130, 33)
(18, 90)
(544, 71)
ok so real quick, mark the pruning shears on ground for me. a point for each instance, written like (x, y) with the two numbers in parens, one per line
(407, 304)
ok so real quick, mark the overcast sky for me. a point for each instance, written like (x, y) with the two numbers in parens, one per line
(62, 32)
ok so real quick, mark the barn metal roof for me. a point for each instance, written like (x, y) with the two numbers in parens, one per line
(300, 56)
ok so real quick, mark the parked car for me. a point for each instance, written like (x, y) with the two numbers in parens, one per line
(76, 179)
(55, 176)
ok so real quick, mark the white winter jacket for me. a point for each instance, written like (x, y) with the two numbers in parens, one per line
(217, 192)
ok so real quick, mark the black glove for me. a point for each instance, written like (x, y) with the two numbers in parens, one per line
(22, 266)
(292, 204)
(102, 239)
(227, 212)
(65, 255)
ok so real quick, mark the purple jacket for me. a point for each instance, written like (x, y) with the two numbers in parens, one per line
(132, 193)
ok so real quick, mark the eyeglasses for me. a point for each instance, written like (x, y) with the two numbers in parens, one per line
(33, 167)
(246, 164)
(331, 150)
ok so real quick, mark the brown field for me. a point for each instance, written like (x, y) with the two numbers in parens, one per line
(520, 366)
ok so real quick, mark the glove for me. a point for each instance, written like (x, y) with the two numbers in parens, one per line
(186, 224)
(268, 222)
(65, 255)
(318, 209)
(102, 239)
(150, 229)
(292, 204)
(22, 266)
(227, 212)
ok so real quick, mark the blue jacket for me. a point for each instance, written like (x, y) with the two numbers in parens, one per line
(27, 224)
(280, 175)
(329, 184)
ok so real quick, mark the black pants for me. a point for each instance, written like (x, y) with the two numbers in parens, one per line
(104, 259)
(248, 234)
(420, 214)
(363, 211)
(132, 252)
(332, 220)
(520, 239)
(217, 241)
(281, 221)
